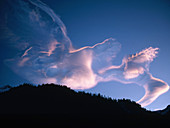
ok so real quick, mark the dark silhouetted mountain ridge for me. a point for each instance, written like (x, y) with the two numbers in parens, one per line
(51, 104)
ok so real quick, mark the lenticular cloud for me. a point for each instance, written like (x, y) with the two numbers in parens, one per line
(46, 54)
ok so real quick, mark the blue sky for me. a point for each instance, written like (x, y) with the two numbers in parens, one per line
(135, 24)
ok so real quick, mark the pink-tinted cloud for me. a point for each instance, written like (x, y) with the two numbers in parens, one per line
(135, 69)
(26, 52)
(154, 87)
(50, 57)
(51, 47)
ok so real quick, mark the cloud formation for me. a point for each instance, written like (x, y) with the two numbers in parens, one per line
(46, 54)
(135, 69)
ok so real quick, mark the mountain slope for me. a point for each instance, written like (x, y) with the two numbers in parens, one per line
(165, 111)
(58, 105)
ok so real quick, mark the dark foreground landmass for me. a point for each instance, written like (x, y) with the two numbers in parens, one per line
(55, 105)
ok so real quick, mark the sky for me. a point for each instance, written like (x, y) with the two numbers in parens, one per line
(135, 25)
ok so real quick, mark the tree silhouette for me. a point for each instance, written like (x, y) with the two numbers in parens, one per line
(51, 104)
